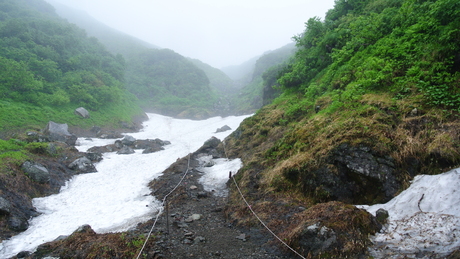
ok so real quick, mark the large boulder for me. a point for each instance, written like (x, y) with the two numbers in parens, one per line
(59, 132)
(83, 165)
(36, 172)
(18, 223)
(82, 112)
(125, 151)
(128, 140)
(223, 128)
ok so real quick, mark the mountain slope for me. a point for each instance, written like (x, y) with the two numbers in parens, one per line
(51, 67)
(369, 101)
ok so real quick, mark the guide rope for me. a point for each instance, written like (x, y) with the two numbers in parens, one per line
(161, 208)
(254, 213)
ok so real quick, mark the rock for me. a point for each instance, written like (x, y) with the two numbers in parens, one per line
(5, 206)
(84, 229)
(152, 150)
(241, 237)
(59, 132)
(193, 187)
(223, 128)
(94, 156)
(109, 134)
(23, 254)
(36, 172)
(17, 223)
(82, 112)
(382, 216)
(196, 217)
(201, 195)
(83, 164)
(128, 140)
(126, 151)
(318, 239)
(414, 112)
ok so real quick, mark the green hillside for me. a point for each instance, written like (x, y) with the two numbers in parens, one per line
(50, 67)
(370, 99)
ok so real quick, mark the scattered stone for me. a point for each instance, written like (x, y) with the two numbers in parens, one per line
(414, 112)
(196, 217)
(224, 128)
(94, 156)
(188, 234)
(83, 164)
(36, 172)
(189, 220)
(82, 112)
(187, 241)
(125, 151)
(5, 206)
(193, 187)
(242, 237)
(199, 239)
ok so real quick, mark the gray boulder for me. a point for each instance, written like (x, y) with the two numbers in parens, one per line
(224, 128)
(125, 151)
(59, 132)
(82, 112)
(5, 206)
(83, 164)
(36, 172)
(128, 140)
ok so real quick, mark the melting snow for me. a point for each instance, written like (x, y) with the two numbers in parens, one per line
(424, 219)
(117, 198)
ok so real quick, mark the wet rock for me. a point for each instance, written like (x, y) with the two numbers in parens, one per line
(23, 254)
(223, 128)
(36, 172)
(128, 140)
(126, 151)
(152, 150)
(5, 206)
(82, 112)
(18, 223)
(59, 132)
(84, 229)
(83, 164)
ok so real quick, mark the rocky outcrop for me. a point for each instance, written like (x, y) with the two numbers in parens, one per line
(128, 144)
(59, 132)
(36, 172)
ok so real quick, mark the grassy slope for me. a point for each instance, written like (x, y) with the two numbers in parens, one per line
(365, 98)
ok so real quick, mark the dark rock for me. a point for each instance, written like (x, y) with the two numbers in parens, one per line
(318, 239)
(5, 206)
(125, 151)
(83, 164)
(36, 172)
(94, 156)
(118, 144)
(17, 223)
(59, 132)
(82, 112)
(382, 216)
(224, 128)
(201, 195)
(128, 140)
(84, 229)
(152, 150)
(23, 254)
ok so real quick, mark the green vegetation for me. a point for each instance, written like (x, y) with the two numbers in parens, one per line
(49, 67)
(381, 75)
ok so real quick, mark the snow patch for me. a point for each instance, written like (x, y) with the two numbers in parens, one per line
(423, 220)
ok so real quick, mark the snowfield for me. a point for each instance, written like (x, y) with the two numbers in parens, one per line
(423, 220)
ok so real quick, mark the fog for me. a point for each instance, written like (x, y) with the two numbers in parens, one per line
(217, 32)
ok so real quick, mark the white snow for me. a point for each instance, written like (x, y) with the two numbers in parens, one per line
(117, 198)
(424, 219)
(215, 177)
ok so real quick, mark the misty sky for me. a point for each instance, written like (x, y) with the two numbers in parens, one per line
(217, 32)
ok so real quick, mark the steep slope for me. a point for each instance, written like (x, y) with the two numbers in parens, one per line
(369, 101)
(50, 67)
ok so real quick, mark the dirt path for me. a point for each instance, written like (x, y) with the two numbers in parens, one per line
(210, 234)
